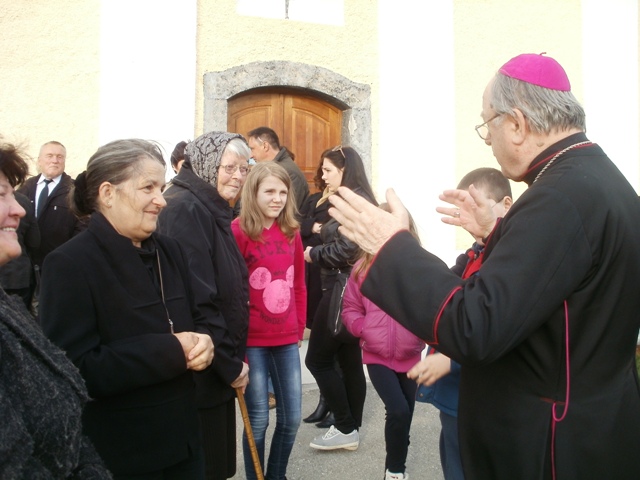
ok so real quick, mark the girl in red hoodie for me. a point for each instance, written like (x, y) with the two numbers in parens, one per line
(269, 240)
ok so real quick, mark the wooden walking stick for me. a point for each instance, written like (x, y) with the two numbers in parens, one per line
(249, 433)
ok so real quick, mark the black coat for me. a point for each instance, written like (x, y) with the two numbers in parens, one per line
(336, 252)
(41, 400)
(100, 303)
(310, 214)
(572, 236)
(56, 222)
(200, 220)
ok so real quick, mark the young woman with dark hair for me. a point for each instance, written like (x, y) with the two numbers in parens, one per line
(344, 394)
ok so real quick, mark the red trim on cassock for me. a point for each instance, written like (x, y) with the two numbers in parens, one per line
(437, 322)
(546, 159)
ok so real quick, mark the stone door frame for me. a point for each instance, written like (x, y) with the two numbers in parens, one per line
(354, 99)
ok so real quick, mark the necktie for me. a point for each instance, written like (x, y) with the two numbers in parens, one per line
(42, 199)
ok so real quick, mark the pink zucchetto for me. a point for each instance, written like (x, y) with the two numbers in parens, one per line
(537, 70)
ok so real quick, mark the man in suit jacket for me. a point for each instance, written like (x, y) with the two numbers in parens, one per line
(56, 221)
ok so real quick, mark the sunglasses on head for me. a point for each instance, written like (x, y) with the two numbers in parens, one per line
(338, 148)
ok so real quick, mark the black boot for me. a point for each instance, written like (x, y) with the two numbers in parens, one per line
(320, 412)
(327, 422)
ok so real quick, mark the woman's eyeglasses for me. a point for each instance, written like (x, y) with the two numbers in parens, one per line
(231, 169)
(338, 148)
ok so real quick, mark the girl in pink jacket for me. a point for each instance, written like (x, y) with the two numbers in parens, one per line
(389, 350)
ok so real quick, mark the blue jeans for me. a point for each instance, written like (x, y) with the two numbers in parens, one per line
(283, 365)
(450, 448)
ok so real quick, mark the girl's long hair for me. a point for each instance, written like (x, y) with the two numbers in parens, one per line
(251, 217)
(362, 267)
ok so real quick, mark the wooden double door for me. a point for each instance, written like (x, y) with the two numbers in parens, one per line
(305, 124)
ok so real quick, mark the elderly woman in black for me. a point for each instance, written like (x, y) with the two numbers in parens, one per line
(345, 395)
(41, 392)
(199, 215)
(118, 299)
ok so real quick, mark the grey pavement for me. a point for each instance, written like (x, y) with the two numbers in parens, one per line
(305, 463)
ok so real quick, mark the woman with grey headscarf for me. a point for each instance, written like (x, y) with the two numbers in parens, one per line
(199, 216)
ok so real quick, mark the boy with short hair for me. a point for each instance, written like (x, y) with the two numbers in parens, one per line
(440, 376)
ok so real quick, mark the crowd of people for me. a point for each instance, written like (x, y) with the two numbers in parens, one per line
(133, 315)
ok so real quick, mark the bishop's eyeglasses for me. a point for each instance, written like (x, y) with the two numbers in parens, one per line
(483, 129)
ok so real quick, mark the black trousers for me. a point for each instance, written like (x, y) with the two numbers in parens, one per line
(218, 426)
(190, 469)
(345, 394)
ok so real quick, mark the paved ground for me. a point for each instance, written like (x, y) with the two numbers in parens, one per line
(366, 463)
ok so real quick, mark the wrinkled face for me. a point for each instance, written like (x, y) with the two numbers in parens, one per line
(271, 197)
(331, 175)
(501, 140)
(229, 185)
(51, 160)
(10, 214)
(493, 137)
(259, 149)
(133, 206)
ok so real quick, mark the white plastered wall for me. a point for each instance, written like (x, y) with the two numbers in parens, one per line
(417, 151)
(610, 80)
(147, 71)
(49, 76)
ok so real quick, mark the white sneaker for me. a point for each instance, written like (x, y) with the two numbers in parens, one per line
(335, 439)
(395, 476)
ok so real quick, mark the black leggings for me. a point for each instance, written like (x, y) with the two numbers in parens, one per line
(345, 395)
(398, 393)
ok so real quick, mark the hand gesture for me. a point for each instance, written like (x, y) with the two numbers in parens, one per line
(471, 210)
(364, 223)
